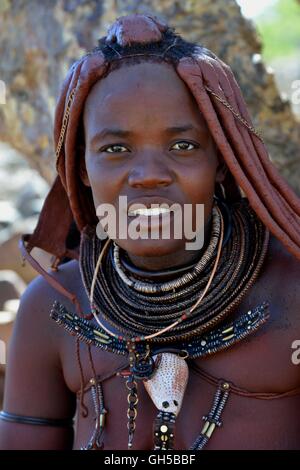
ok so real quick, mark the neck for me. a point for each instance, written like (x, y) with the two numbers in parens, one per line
(167, 266)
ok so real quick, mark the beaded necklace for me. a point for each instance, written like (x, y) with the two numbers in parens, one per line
(136, 314)
(161, 324)
(148, 288)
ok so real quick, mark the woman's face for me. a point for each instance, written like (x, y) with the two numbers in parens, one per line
(146, 140)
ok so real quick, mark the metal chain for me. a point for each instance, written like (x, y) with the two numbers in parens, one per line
(132, 399)
(237, 115)
(64, 125)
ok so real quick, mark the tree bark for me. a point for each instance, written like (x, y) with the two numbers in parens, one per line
(39, 40)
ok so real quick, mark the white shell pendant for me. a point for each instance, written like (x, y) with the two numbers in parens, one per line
(168, 384)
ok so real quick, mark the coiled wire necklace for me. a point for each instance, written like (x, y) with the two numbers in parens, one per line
(150, 316)
(176, 310)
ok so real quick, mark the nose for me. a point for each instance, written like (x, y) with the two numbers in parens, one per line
(150, 172)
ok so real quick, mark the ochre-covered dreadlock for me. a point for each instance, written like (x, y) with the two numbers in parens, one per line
(136, 38)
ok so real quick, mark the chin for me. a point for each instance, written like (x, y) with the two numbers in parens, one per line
(148, 248)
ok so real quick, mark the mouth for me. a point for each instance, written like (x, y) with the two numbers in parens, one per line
(148, 212)
(151, 207)
(153, 214)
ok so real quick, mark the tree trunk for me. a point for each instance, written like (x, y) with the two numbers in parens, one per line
(39, 40)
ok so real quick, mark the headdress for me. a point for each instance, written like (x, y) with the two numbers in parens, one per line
(69, 203)
(123, 299)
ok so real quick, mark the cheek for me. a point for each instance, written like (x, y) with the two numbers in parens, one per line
(198, 182)
(105, 181)
(198, 185)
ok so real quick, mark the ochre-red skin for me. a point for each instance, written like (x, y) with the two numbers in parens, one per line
(42, 374)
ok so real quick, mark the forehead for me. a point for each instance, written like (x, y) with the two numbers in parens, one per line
(137, 92)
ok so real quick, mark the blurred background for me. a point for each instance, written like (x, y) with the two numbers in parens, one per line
(259, 39)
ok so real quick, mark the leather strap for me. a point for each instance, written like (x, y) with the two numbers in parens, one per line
(101, 378)
(50, 279)
(241, 391)
(120, 371)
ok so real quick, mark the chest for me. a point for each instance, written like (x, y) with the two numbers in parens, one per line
(262, 362)
(247, 422)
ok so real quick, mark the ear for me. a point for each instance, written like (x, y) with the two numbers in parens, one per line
(82, 167)
(221, 169)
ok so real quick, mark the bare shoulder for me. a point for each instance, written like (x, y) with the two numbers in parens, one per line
(39, 296)
(279, 281)
(35, 385)
(277, 252)
(278, 285)
(36, 338)
(282, 266)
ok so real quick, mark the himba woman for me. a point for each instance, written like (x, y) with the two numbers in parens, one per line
(153, 345)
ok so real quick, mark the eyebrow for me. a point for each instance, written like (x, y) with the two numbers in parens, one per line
(116, 132)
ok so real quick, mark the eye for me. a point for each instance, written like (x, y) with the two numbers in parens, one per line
(116, 148)
(184, 145)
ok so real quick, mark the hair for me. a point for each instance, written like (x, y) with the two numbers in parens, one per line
(135, 39)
